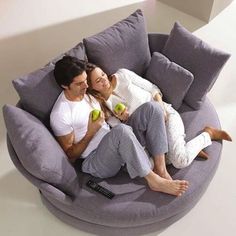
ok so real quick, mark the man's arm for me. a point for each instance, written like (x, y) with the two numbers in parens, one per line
(74, 150)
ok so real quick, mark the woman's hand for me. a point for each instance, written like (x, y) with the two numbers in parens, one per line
(165, 115)
(123, 116)
(157, 97)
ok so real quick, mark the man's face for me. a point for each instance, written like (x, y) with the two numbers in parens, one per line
(78, 87)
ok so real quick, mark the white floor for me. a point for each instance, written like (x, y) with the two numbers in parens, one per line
(21, 210)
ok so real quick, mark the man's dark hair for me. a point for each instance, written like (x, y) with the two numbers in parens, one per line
(67, 68)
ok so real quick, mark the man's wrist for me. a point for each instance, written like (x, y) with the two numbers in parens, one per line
(88, 136)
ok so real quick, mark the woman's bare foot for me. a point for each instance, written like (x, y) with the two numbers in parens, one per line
(159, 184)
(217, 134)
(203, 155)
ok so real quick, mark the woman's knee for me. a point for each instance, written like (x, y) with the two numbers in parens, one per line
(180, 162)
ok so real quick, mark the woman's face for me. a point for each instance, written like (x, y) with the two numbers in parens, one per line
(99, 80)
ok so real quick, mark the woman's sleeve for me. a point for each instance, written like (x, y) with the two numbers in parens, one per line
(141, 82)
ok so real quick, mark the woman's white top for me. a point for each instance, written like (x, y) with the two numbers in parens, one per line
(131, 90)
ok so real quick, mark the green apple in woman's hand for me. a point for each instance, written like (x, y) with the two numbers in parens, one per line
(119, 108)
(95, 114)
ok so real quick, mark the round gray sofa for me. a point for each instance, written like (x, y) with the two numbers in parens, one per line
(135, 209)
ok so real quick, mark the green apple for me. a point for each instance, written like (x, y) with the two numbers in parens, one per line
(119, 108)
(95, 114)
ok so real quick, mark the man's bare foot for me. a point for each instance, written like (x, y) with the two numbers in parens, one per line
(217, 134)
(203, 155)
(160, 167)
(163, 173)
(159, 184)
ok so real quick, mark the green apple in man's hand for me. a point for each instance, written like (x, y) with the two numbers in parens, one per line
(119, 108)
(95, 114)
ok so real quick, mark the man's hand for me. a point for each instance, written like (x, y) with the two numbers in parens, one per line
(123, 116)
(94, 126)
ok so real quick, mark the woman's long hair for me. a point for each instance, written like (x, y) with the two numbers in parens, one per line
(89, 69)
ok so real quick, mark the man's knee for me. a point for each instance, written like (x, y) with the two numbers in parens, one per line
(150, 106)
(122, 130)
(153, 107)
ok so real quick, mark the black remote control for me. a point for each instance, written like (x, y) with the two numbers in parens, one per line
(98, 188)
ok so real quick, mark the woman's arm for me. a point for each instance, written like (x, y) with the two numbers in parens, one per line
(140, 82)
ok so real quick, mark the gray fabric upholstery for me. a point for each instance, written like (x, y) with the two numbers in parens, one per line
(123, 45)
(204, 61)
(77, 51)
(157, 42)
(51, 191)
(38, 92)
(37, 150)
(172, 79)
(102, 230)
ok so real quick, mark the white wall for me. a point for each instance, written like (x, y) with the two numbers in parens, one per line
(205, 10)
(21, 16)
(199, 8)
(218, 6)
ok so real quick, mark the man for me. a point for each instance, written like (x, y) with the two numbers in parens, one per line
(104, 151)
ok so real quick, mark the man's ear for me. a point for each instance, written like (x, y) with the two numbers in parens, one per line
(64, 86)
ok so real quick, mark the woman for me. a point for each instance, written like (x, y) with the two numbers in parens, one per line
(132, 90)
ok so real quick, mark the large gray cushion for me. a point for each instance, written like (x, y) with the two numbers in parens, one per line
(77, 51)
(123, 45)
(204, 61)
(37, 150)
(38, 90)
(172, 79)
